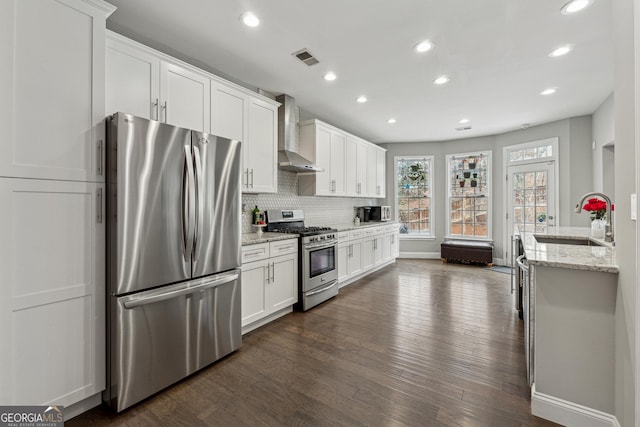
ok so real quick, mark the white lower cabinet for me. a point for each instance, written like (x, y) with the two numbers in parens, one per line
(269, 283)
(52, 291)
(362, 251)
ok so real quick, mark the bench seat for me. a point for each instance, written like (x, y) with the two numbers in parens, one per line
(467, 251)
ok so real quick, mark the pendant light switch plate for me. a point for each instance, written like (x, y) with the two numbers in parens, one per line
(634, 207)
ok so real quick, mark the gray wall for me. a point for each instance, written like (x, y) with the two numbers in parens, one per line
(575, 160)
(626, 165)
(603, 134)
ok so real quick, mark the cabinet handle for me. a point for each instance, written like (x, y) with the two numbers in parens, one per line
(268, 273)
(251, 177)
(99, 206)
(155, 108)
(164, 108)
(100, 156)
(254, 253)
(273, 272)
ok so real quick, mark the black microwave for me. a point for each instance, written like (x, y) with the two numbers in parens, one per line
(374, 213)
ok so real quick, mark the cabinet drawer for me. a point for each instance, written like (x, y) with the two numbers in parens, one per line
(343, 236)
(255, 252)
(355, 234)
(370, 231)
(282, 247)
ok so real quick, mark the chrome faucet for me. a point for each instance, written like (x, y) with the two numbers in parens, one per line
(608, 228)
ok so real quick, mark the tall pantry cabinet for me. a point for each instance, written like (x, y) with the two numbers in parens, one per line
(52, 97)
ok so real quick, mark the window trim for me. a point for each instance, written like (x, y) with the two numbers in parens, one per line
(431, 175)
(489, 154)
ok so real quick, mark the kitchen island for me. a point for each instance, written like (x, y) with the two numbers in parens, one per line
(572, 297)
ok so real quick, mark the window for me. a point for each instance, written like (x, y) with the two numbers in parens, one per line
(528, 152)
(413, 193)
(469, 201)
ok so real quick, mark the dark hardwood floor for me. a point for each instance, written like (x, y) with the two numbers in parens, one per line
(418, 343)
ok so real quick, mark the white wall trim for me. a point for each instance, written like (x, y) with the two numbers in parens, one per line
(568, 413)
(420, 255)
(500, 261)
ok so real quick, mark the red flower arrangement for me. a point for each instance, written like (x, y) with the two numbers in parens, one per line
(597, 207)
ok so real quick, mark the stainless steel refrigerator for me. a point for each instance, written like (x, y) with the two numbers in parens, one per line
(173, 254)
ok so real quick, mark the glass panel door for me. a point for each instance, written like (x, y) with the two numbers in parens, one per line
(531, 196)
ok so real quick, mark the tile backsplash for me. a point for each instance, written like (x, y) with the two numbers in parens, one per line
(323, 211)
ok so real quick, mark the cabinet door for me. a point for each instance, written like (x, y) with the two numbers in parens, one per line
(355, 260)
(323, 160)
(133, 80)
(337, 163)
(378, 250)
(52, 57)
(260, 153)
(380, 172)
(228, 112)
(343, 260)
(372, 178)
(395, 245)
(351, 167)
(386, 247)
(283, 287)
(361, 169)
(367, 253)
(254, 287)
(52, 291)
(184, 98)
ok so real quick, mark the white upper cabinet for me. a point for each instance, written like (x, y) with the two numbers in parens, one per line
(133, 80)
(345, 159)
(229, 108)
(184, 97)
(150, 84)
(146, 84)
(52, 104)
(260, 149)
(381, 172)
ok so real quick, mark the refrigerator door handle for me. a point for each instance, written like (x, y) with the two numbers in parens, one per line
(197, 160)
(188, 202)
(159, 295)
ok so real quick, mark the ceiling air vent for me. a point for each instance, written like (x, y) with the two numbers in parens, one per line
(305, 56)
(463, 128)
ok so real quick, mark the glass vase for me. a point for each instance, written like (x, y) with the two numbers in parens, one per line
(598, 228)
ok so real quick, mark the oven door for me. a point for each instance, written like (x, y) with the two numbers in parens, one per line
(319, 265)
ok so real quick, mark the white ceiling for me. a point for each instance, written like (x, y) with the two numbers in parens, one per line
(495, 52)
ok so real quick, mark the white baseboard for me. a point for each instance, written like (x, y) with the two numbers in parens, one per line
(568, 413)
(82, 406)
(270, 318)
(420, 255)
(499, 261)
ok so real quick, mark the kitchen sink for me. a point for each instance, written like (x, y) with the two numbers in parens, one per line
(562, 240)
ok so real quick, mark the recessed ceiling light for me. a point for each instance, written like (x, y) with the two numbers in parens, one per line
(549, 91)
(424, 46)
(391, 121)
(463, 121)
(575, 6)
(441, 80)
(330, 76)
(249, 19)
(362, 99)
(562, 50)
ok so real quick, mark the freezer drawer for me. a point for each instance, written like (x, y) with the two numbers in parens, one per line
(165, 334)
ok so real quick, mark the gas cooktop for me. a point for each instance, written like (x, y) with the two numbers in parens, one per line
(292, 221)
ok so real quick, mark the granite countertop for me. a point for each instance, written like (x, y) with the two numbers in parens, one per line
(254, 238)
(591, 258)
(351, 226)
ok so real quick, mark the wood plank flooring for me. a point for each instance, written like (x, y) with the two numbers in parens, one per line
(418, 343)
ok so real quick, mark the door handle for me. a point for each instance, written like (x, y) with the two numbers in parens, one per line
(188, 202)
(155, 108)
(273, 272)
(199, 187)
(157, 296)
(251, 177)
(268, 273)
(164, 108)
(99, 206)
(100, 157)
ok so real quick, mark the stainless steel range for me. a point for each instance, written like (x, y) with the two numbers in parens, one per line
(318, 272)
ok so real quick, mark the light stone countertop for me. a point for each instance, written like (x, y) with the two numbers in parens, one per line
(351, 226)
(591, 258)
(254, 238)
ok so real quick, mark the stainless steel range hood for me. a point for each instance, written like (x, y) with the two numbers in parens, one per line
(288, 157)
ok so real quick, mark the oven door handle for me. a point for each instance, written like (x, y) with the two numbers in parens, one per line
(326, 288)
(327, 244)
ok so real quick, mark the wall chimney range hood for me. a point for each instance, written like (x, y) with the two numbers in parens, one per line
(288, 157)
